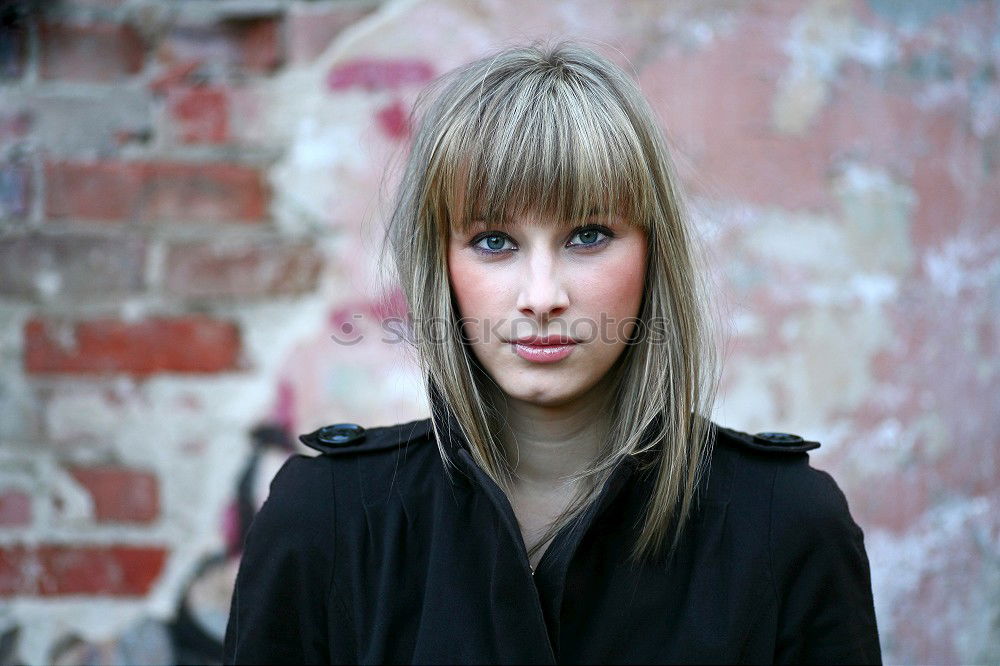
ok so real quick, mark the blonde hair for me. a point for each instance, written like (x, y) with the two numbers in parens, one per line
(560, 130)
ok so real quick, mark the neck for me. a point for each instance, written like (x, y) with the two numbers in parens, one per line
(547, 443)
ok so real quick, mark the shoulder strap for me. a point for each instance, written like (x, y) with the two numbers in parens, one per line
(777, 443)
(350, 438)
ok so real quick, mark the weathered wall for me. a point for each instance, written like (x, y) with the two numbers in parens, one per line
(189, 201)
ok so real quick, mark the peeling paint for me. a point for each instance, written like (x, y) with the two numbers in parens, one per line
(877, 212)
(822, 36)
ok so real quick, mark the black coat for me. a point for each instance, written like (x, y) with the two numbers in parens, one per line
(370, 554)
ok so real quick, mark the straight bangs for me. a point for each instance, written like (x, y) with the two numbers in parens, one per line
(553, 144)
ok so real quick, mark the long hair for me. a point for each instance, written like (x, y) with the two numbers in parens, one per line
(561, 130)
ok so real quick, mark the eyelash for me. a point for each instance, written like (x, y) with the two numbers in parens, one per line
(607, 233)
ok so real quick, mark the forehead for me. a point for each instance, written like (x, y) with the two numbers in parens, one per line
(556, 162)
(485, 221)
(527, 205)
(537, 217)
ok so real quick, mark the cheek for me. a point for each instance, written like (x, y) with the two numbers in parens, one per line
(466, 281)
(476, 292)
(626, 288)
(619, 288)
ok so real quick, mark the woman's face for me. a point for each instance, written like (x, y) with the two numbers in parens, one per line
(548, 308)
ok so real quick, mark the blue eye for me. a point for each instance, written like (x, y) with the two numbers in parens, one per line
(494, 243)
(591, 236)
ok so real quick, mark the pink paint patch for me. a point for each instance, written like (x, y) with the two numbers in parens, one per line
(347, 316)
(393, 121)
(379, 74)
(394, 306)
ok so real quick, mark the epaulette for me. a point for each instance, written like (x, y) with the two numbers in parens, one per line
(766, 442)
(351, 438)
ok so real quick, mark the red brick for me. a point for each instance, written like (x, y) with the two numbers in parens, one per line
(15, 508)
(249, 44)
(244, 270)
(155, 191)
(379, 74)
(55, 570)
(120, 494)
(99, 191)
(39, 265)
(193, 344)
(310, 29)
(96, 52)
(199, 114)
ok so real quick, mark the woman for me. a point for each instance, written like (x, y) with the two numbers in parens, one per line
(568, 501)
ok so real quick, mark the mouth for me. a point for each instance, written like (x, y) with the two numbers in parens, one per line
(548, 349)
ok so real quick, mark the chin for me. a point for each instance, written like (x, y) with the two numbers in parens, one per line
(542, 394)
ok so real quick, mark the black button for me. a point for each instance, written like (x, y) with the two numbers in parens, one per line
(341, 434)
(777, 439)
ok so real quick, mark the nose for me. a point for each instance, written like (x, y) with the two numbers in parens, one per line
(543, 293)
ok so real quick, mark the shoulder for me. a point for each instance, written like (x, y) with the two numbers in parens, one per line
(743, 467)
(775, 466)
(306, 482)
(809, 507)
(305, 492)
(755, 461)
(372, 464)
(298, 500)
(302, 493)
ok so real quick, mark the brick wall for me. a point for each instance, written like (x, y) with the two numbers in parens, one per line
(189, 201)
(149, 296)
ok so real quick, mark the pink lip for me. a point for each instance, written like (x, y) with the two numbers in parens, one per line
(539, 340)
(543, 353)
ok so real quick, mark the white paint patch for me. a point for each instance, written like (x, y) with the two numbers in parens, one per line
(876, 214)
(965, 263)
(822, 37)
(43, 622)
(874, 289)
(48, 283)
(75, 505)
(986, 111)
(900, 563)
(781, 238)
